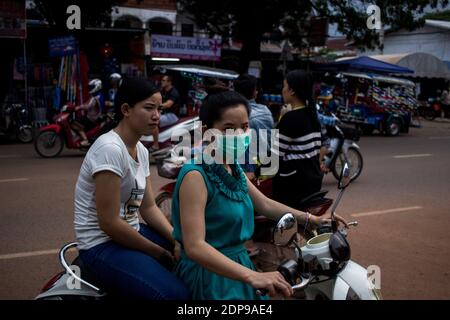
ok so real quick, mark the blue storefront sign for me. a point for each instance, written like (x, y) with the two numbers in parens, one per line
(62, 46)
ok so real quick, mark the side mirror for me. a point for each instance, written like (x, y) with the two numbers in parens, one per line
(339, 247)
(344, 179)
(285, 230)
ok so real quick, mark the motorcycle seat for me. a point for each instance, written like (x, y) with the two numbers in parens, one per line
(315, 196)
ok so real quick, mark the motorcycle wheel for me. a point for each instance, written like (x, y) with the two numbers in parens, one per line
(429, 114)
(354, 160)
(164, 202)
(49, 144)
(25, 135)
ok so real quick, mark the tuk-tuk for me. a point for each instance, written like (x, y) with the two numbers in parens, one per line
(375, 102)
(190, 81)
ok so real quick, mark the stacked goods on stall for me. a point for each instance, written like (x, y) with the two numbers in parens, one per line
(40, 77)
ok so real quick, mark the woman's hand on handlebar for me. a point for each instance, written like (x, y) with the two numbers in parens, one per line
(272, 282)
(317, 221)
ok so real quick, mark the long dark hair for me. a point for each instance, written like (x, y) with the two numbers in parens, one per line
(219, 99)
(131, 92)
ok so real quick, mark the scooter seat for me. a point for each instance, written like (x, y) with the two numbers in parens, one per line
(315, 196)
(85, 273)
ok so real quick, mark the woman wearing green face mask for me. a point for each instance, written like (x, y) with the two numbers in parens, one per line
(212, 212)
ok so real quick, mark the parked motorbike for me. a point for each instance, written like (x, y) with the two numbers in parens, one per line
(435, 109)
(321, 269)
(14, 122)
(51, 138)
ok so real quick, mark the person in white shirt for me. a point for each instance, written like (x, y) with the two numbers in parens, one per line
(126, 257)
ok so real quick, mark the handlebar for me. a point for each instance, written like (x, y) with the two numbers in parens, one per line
(353, 224)
(305, 281)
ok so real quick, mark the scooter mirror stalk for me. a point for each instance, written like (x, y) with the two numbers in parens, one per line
(344, 179)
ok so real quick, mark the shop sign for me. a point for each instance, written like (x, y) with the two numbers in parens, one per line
(186, 48)
(62, 46)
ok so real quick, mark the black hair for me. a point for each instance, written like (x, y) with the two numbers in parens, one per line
(246, 85)
(131, 92)
(301, 82)
(218, 100)
(169, 77)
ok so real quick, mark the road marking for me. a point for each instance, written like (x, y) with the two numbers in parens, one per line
(374, 213)
(27, 254)
(9, 156)
(413, 156)
(14, 180)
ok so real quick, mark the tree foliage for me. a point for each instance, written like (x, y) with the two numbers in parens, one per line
(249, 21)
(93, 12)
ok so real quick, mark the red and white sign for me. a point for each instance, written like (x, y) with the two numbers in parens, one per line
(186, 48)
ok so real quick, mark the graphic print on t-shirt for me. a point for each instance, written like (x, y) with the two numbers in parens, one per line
(131, 207)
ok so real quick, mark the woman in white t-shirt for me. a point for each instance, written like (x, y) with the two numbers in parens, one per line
(126, 257)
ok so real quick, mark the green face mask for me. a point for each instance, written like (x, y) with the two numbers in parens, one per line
(233, 146)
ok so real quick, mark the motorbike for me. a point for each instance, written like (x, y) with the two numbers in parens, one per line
(183, 126)
(76, 283)
(435, 109)
(169, 165)
(322, 268)
(343, 149)
(343, 145)
(52, 138)
(14, 122)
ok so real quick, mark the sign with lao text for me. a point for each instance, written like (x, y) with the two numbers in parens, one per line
(186, 48)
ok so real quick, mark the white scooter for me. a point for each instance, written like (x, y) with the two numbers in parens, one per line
(323, 269)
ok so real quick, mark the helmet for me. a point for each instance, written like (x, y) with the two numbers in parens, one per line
(95, 85)
(115, 78)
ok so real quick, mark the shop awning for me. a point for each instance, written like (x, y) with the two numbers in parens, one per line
(380, 78)
(425, 65)
(365, 64)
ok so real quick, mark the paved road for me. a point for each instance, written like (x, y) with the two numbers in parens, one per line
(401, 200)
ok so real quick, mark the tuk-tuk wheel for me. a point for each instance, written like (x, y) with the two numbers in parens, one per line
(393, 127)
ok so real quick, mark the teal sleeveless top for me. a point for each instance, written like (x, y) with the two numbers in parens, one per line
(228, 223)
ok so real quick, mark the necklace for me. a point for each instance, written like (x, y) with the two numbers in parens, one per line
(298, 107)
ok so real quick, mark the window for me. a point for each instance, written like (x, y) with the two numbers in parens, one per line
(160, 27)
(187, 30)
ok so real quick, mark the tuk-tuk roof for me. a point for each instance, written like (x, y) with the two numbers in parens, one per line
(376, 77)
(201, 70)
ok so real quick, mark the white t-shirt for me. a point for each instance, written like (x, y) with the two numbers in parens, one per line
(109, 153)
